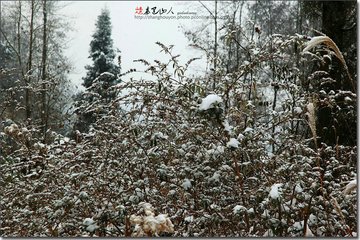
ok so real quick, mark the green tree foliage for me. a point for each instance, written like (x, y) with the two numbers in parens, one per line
(102, 51)
(101, 75)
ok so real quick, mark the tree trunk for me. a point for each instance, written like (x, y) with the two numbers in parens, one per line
(215, 46)
(29, 64)
(44, 116)
(336, 126)
(335, 15)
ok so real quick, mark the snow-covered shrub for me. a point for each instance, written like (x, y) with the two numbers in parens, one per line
(198, 162)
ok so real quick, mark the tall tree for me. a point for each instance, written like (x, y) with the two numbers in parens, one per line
(102, 51)
(44, 118)
(34, 37)
(101, 75)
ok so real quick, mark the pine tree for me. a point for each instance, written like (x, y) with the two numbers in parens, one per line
(102, 52)
(100, 76)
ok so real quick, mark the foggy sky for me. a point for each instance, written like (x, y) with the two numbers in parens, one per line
(135, 38)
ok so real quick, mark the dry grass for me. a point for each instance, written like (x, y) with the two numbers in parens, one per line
(315, 41)
(312, 120)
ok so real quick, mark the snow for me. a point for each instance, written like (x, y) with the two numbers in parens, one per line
(250, 104)
(297, 110)
(215, 151)
(251, 210)
(219, 150)
(189, 219)
(133, 199)
(298, 225)
(91, 228)
(233, 143)
(255, 51)
(226, 168)
(209, 101)
(88, 221)
(186, 184)
(172, 192)
(347, 99)
(227, 126)
(83, 195)
(239, 208)
(214, 206)
(265, 214)
(248, 129)
(298, 188)
(268, 233)
(104, 75)
(107, 74)
(275, 191)
(160, 135)
(312, 219)
(240, 136)
(215, 177)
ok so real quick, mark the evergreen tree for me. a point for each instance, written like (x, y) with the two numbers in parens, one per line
(101, 75)
(102, 52)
